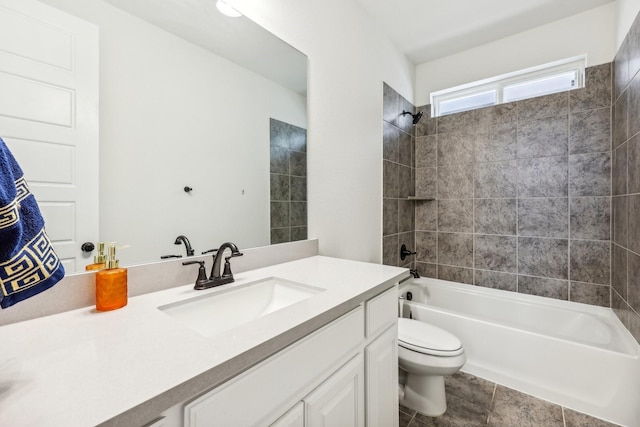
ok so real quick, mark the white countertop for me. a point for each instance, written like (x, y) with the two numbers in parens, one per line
(83, 367)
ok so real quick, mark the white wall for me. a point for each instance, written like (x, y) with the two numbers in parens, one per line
(592, 32)
(626, 12)
(173, 114)
(348, 61)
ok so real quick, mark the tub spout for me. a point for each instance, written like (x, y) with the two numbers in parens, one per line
(414, 273)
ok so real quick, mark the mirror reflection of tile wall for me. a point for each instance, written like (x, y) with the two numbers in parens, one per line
(288, 176)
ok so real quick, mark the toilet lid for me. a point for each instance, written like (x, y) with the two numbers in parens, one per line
(428, 339)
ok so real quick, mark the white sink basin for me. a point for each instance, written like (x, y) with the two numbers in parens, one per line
(229, 308)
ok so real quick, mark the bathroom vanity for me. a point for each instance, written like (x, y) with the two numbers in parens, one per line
(327, 358)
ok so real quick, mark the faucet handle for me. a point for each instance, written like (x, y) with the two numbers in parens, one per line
(202, 280)
(209, 251)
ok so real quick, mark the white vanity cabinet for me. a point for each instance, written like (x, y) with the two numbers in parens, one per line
(317, 381)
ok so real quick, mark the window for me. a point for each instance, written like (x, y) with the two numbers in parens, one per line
(537, 81)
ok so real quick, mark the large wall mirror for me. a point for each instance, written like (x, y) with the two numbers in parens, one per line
(187, 97)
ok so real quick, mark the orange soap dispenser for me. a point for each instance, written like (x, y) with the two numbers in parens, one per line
(111, 284)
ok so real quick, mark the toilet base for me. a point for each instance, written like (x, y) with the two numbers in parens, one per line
(425, 394)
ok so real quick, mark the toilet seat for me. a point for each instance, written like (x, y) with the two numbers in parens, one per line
(427, 339)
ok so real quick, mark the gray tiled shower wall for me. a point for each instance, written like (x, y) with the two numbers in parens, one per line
(288, 184)
(522, 194)
(625, 280)
(398, 178)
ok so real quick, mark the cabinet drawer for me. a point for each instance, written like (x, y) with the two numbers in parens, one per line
(382, 312)
(279, 381)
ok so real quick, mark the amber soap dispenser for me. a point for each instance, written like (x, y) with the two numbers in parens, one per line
(111, 284)
(99, 261)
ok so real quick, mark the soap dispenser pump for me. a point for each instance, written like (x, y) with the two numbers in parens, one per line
(111, 284)
(99, 261)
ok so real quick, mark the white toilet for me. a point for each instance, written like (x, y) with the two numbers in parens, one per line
(427, 353)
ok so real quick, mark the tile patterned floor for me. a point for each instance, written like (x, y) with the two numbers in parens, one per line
(474, 402)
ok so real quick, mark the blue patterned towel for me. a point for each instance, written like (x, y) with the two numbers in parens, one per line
(28, 263)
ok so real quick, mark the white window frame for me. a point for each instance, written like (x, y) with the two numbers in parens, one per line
(497, 84)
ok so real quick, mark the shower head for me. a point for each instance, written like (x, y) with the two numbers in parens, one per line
(416, 117)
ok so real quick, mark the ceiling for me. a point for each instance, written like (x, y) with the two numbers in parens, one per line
(237, 39)
(428, 29)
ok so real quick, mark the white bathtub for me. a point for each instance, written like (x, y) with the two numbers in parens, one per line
(575, 355)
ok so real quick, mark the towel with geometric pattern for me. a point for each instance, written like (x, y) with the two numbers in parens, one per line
(28, 263)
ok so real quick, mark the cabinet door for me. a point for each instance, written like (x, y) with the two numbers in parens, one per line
(339, 401)
(381, 357)
(293, 418)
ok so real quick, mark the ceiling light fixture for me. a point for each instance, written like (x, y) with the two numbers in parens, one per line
(227, 10)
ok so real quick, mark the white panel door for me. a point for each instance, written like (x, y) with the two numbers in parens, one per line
(339, 401)
(49, 117)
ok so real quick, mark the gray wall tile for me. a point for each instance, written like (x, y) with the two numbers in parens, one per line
(634, 223)
(427, 125)
(279, 214)
(405, 121)
(279, 160)
(619, 175)
(590, 174)
(405, 149)
(298, 214)
(619, 114)
(455, 274)
(390, 250)
(280, 235)
(544, 287)
(496, 179)
(496, 114)
(426, 182)
(298, 188)
(543, 177)
(391, 183)
(619, 270)
(406, 181)
(495, 216)
(455, 148)
(543, 137)
(298, 163)
(426, 152)
(590, 131)
(496, 280)
(427, 270)
(298, 233)
(588, 293)
(455, 215)
(633, 269)
(455, 182)
(597, 90)
(279, 187)
(543, 257)
(543, 217)
(621, 69)
(390, 142)
(389, 216)
(427, 247)
(590, 218)
(456, 122)
(406, 216)
(543, 106)
(633, 118)
(455, 249)
(620, 226)
(390, 105)
(427, 215)
(633, 165)
(496, 142)
(590, 261)
(496, 253)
